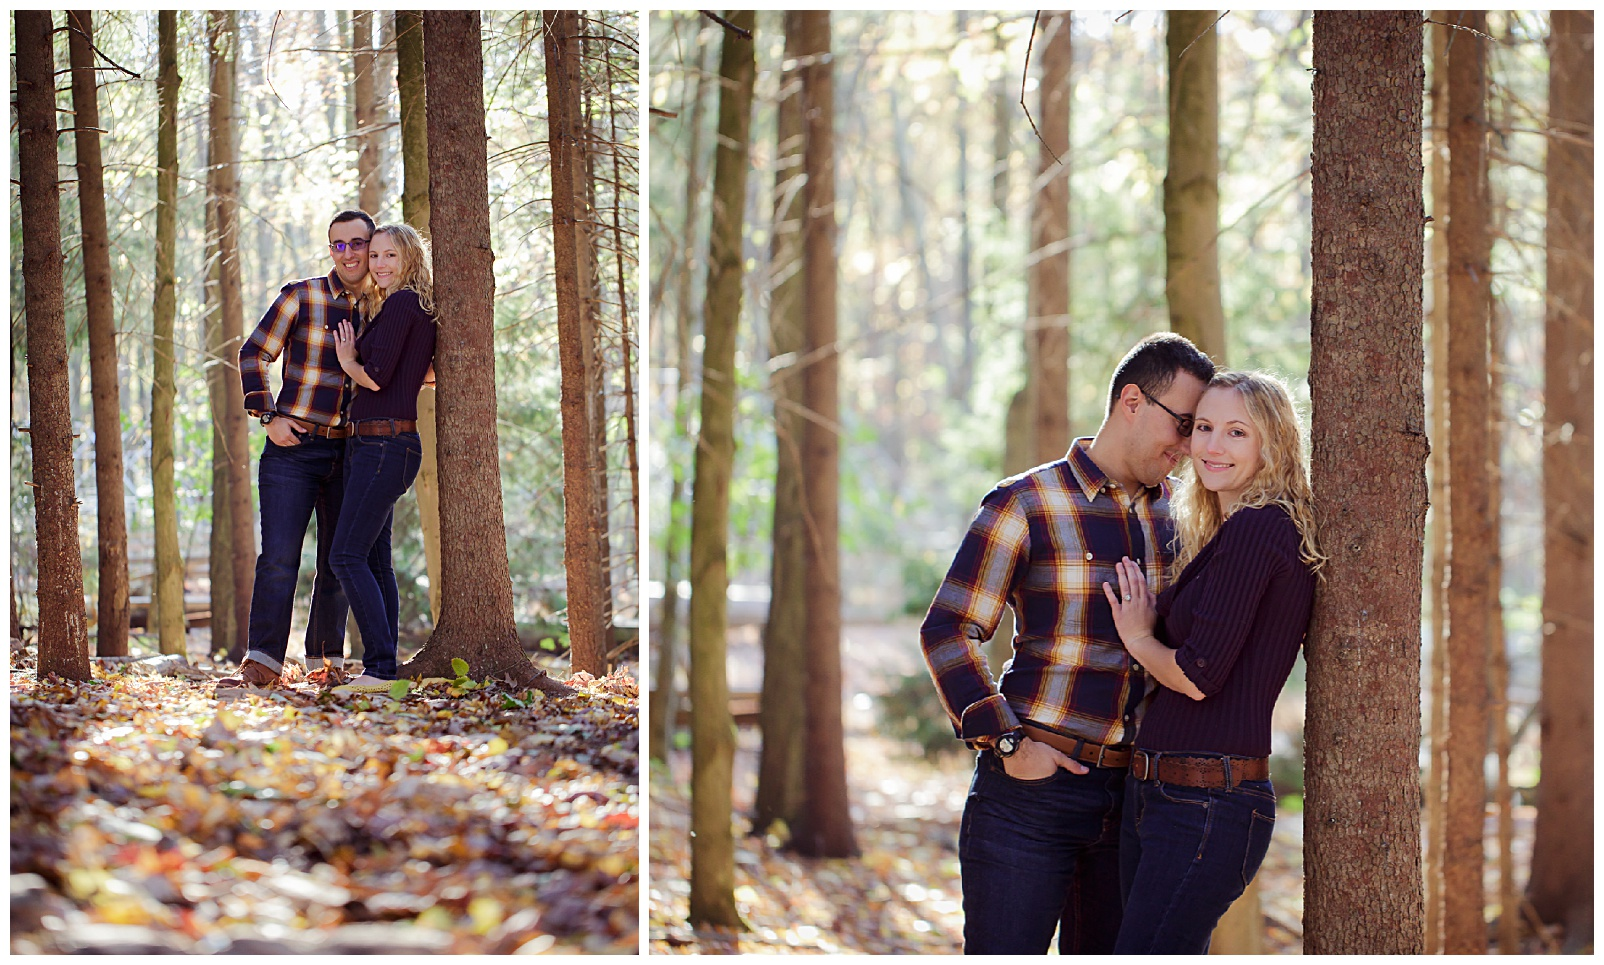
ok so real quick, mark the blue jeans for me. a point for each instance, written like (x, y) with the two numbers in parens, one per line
(1039, 855)
(378, 469)
(1185, 854)
(293, 483)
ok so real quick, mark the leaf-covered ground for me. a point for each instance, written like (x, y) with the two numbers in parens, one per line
(147, 814)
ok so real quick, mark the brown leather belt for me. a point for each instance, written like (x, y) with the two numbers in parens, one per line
(1194, 771)
(1084, 751)
(384, 427)
(327, 432)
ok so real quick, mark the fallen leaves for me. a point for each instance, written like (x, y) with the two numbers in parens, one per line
(495, 821)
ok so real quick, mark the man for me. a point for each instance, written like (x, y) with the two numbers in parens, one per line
(300, 471)
(1039, 841)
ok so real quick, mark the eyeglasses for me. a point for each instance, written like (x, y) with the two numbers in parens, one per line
(1183, 423)
(340, 247)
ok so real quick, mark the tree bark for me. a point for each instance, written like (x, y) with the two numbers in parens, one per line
(169, 584)
(1047, 330)
(369, 191)
(712, 899)
(220, 557)
(63, 625)
(1561, 885)
(111, 621)
(1191, 185)
(824, 828)
(626, 346)
(1362, 820)
(476, 615)
(783, 715)
(1437, 582)
(230, 425)
(587, 584)
(415, 212)
(1469, 587)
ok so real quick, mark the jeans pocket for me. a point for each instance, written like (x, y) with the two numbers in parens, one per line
(1001, 771)
(1260, 827)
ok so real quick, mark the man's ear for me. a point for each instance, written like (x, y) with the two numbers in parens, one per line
(1130, 398)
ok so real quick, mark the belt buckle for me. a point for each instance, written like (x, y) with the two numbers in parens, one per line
(1149, 765)
(1101, 750)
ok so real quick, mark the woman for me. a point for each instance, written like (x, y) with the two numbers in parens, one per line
(1220, 641)
(389, 362)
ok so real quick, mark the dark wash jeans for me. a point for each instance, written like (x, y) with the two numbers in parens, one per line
(378, 469)
(1041, 854)
(294, 483)
(1185, 854)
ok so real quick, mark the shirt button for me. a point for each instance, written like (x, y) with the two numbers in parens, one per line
(1088, 557)
(1201, 662)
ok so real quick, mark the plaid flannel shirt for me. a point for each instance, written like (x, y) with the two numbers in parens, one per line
(302, 321)
(1044, 542)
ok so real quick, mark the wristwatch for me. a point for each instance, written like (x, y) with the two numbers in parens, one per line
(1008, 744)
(267, 417)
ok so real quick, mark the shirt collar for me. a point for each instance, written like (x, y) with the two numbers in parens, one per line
(337, 284)
(1092, 480)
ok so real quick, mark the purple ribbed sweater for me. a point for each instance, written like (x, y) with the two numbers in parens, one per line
(1236, 617)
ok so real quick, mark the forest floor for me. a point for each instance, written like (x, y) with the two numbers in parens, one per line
(903, 894)
(148, 815)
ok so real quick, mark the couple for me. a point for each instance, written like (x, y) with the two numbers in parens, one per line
(1121, 793)
(342, 442)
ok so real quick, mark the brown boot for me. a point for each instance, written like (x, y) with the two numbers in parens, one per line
(251, 674)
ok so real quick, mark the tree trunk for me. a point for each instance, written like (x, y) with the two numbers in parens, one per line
(663, 707)
(586, 247)
(63, 626)
(784, 709)
(1362, 821)
(1561, 886)
(367, 134)
(1469, 297)
(111, 622)
(169, 583)
(1191, 186)
(415, 212)
(1436, 585)
(964, 379)
(587, 582)
(1002, 128)
(476, 616)
(712, 900)
(625, 341)
(824, 827)
(1498, 658)
(1047, 330)
(230, 420)
(220, 556)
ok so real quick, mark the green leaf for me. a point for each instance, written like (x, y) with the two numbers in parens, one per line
(548, 644)
(509, 702)
(399, 688)
(459, 666)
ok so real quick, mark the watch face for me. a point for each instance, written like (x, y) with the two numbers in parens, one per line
(1007, 744)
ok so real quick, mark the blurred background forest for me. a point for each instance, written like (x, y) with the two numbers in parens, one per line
(936, 172)
(298, 142)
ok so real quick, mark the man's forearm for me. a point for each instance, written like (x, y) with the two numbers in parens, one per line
(1159, 661)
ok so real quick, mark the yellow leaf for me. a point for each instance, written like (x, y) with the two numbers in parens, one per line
(486, 913)
(434, 917)
(496, 746)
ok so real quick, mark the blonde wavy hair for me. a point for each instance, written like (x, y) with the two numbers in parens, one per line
(1282, 479)
(417, 268)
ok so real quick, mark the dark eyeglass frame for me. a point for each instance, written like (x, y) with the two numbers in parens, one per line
(339, 247)
(1183, 423)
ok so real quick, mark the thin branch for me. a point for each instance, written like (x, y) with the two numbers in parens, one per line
(1022, 79)
(102, 53)
(1205, 30)
(743, 34)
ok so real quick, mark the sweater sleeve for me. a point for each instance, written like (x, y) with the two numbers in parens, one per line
(1245, 560)
(386, 336)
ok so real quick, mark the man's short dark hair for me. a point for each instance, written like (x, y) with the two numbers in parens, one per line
(354, 214)
(1153, 362)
